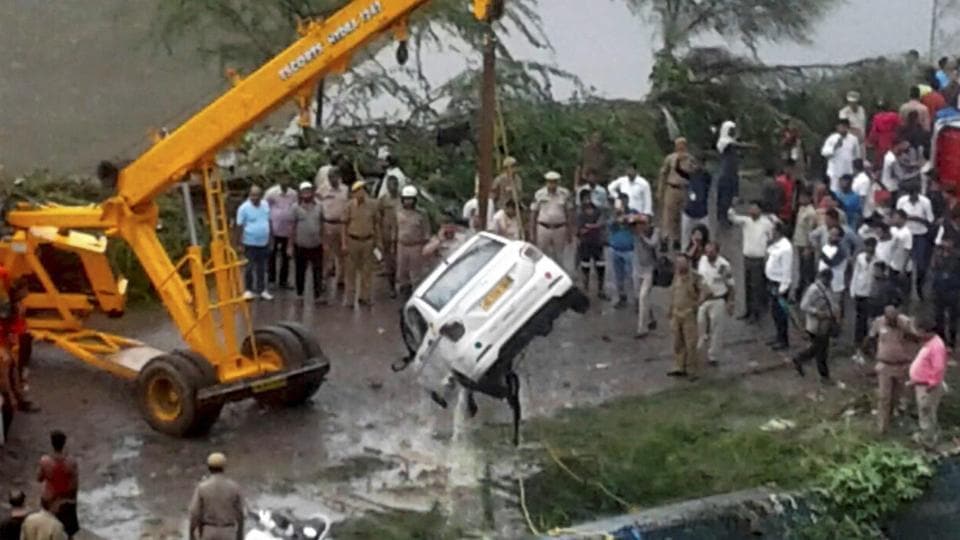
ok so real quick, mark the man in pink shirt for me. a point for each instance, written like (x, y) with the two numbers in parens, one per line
(926, 376)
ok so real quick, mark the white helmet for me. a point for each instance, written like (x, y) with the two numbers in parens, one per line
(409, 192)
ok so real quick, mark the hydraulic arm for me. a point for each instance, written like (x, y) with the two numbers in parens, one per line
(181, 393)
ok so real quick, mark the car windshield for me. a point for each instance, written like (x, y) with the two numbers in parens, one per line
(461, 271)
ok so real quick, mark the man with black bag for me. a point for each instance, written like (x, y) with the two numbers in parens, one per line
(821, 323)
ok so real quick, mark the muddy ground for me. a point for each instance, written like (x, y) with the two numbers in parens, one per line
(370, 440)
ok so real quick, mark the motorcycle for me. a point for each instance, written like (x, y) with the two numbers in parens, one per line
(267, 525)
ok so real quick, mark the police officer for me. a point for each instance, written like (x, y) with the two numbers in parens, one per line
(361, 236)
(333, 197)
(389, 203)
(551, 219)
(216, 510)
(413, 231)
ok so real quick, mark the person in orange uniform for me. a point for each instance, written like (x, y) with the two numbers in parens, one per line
(361, 236)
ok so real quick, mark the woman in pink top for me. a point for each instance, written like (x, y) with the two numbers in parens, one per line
(926, 376)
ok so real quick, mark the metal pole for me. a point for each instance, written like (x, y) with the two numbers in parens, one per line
(188, 206)
(486, 130)
(934, 16)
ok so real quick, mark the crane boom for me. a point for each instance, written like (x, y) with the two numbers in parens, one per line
(326, 46)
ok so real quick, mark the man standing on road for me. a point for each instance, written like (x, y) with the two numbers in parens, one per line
(591, 241)
(696, 211)
(598, 193)
(58, 474)
(388, 203)
(672, 191)
(757, 233)
(551, 218)
(861, 287)
(778, 271)
(620, 239)
(718, 302)
(506, 223)
(334, 199)
(216, 510)
(820, 315)
(855, 114)
(361, 236)
(253, 220)
(685, 294)
(899, 251)
(926, 376)
(644, 262)
(919, 218)
(637, 190)
(307, 242)
(413, 231)
(895, 334)
(280, 198)
(804, 224)
(840, 149)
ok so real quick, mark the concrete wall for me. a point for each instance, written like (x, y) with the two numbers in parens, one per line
(82, 80)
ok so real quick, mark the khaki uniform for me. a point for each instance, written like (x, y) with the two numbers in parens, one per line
(216, 510)
(894, 353)
(685, 299)
(363, 234)
(672, 193)
(388, 232)
(413, 231)
(551, 211)
(507, 187)
(334, 203)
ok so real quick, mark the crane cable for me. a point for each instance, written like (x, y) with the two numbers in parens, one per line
(501, 130)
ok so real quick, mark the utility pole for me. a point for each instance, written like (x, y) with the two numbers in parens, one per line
(934, 29)
(488, 104)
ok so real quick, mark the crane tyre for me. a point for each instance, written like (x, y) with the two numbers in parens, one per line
(279, 347)
(313, 353)
(166, 392)
(206, 373)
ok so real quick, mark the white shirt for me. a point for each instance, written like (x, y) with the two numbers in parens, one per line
(921, 209)
(857, 119)
(717, 276)
(472, 208)
(862, 280)
(504, 225)
(863, 186)
(889, 174)
(402, 180)
(756, 233)
(840, 160)
(637, 190)
(838, 282)
(900, 249)
(779, 267)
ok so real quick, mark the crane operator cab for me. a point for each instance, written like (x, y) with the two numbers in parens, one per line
(470, 318)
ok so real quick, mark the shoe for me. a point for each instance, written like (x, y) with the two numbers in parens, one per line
(652, 326)
(826, 381)
(780, 347)
(248, 295)
(621, 303)
(713, 363)
(266, 295)
(676, 373)
(798, 366)
(602, 296)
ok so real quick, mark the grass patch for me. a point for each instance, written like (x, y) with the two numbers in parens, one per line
(398, 526)
(703, 440)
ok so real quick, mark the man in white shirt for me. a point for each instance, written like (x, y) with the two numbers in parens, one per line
(891, 174)
(757, 232)
(392, 169)
(863, 187)
(860, 286)
(840, 149)
(855, 114)
(900, 252)
(637, 190)
(779, 274)
(919, 219)
(716, 274)
(506, 222)
(471, 213)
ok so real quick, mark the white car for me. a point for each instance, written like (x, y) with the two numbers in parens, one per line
(477, 310)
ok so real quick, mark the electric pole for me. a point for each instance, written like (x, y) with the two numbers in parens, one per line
(488, 104)
(934, 29)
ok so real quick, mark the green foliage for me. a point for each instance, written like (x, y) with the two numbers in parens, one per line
(853, 496)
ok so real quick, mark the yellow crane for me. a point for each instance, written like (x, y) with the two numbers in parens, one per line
(181, 393)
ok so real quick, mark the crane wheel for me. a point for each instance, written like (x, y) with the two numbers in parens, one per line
(207, 415)
(312, 351)
(166, 391)
(280, 348)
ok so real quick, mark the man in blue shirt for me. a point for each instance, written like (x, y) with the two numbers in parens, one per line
(253, 220)
(850, 201)
(620, 240)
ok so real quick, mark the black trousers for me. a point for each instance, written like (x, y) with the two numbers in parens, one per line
(818, 350)
(6, 413)
(864, 308)
(946, 305)
(808, 271)
(312, 257)
(279, 249)
(781, 319)
(755, 285)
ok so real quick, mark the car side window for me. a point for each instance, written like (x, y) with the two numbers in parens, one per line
(456, 276)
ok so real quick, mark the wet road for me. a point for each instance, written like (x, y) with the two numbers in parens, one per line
(369, 440)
